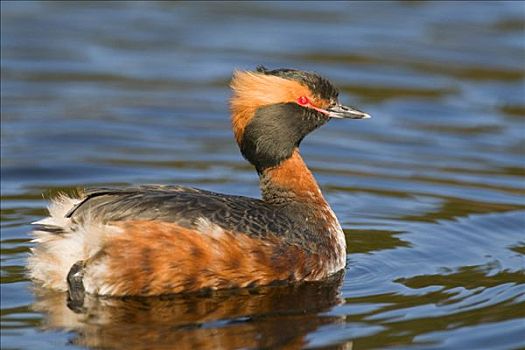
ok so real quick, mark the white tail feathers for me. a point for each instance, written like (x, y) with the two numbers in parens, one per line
(60, 243)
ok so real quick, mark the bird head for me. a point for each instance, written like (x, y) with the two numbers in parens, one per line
(273, 110)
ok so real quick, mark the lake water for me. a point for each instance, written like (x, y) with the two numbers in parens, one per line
(430, 191)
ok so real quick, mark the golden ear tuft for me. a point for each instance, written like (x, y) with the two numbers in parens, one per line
(252, 90)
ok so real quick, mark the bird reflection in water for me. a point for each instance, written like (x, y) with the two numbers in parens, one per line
(265, 317)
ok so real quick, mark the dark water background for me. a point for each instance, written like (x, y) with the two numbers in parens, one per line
(430, 191)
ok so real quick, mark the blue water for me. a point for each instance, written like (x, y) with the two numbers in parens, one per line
(430, 191)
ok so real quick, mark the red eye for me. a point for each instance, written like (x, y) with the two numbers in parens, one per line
(303, 100)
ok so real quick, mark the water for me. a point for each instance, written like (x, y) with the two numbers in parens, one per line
(430, 191)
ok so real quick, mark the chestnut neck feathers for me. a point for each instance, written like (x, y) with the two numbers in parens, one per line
(269, 122)
(290, 181)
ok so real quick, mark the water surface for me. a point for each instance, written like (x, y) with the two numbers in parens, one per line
(430, 192)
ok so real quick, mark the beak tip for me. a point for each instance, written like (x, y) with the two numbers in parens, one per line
(344, 112)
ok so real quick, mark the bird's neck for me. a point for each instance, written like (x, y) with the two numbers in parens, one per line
(290, 182)
(292, 187)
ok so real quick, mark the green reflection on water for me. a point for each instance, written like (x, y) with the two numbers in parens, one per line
(367, 241)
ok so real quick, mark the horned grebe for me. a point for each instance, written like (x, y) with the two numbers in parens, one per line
(155, 239)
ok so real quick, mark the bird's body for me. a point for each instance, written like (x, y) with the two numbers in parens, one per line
(151, 240)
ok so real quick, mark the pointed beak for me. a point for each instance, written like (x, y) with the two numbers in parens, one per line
(344, 112)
